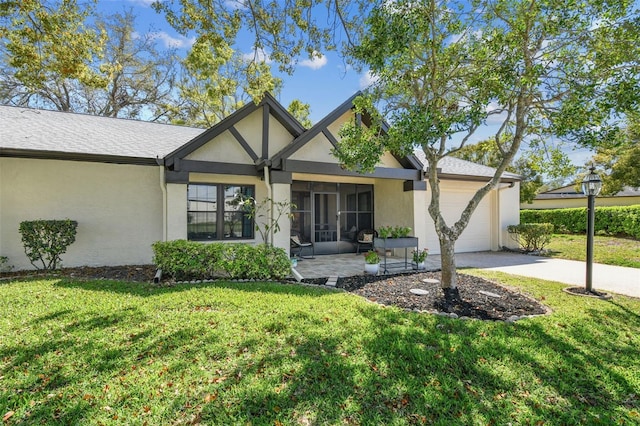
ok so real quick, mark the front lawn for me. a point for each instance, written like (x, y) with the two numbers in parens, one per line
(104, 352)
(607, 250)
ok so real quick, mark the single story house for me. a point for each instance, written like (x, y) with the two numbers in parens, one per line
(569, 196)
(130, 183)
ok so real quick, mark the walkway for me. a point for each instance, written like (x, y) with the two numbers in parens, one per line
(615, 279)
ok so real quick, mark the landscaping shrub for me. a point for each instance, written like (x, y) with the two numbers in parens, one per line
(186, 260)
(46, 240)
(189, 260)
(623, 220)
(531, 236)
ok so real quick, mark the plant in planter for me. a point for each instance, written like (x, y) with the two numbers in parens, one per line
(394, 231)
(400, 232)
(419, 257)
(372, 262)
(385, 231)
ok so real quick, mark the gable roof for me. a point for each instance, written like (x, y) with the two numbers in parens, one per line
(455, 168)
(54, 134)
(270, 106)
(409, 162)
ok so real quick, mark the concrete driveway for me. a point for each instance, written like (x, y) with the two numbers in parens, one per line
(616, 279)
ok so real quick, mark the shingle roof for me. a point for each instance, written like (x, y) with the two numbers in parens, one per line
(54, 131)
(569, 191)
(33, 131)
(454, 166)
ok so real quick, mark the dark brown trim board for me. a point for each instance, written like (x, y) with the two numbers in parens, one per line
(72, 156)
(414, 185)
(218, 167)
(313, 167)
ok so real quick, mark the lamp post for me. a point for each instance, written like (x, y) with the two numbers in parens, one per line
(591, 186)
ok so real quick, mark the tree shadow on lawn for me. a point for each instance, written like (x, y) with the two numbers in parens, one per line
(420, 369)
(151, 290)
(388, 366)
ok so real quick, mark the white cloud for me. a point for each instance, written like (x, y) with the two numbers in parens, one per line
(495, 115)
(258, 55)
(367, 80)
(235, 4)
(316, 62)
(142, 2)
(171, 42)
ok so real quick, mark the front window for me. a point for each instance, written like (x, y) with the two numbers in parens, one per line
(218, 212)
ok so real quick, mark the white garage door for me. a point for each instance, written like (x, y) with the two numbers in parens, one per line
(477, 235)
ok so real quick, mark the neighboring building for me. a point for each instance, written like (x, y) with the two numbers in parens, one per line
(130, 183)
(568, 196)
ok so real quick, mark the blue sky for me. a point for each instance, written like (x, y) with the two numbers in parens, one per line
(323, 83)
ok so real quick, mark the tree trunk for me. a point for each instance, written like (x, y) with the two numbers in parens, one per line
(449, 279)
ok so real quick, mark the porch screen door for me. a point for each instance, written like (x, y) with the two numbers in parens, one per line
(326, 220)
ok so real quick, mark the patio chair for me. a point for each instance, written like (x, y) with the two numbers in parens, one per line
(365, 238)
(297, 243)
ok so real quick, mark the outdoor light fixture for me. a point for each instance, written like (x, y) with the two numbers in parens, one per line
(591, 186)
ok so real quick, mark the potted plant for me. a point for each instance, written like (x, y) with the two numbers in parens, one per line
(419, 257)
(372, 262)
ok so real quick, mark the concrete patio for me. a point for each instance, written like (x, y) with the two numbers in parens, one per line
(349, 264)
(616, 279)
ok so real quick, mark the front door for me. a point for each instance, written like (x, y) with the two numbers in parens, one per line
(331, 214)
(326, 222)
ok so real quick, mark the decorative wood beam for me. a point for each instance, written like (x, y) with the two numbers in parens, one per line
(243, 143)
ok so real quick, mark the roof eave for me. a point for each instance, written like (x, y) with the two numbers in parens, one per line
(77, 156)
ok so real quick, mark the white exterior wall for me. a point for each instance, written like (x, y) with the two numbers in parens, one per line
(176, 211)
(118, 208)
(509, 213)
(282, 193)
(487, 228)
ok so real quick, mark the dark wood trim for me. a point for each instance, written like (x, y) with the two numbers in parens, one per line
(300, 166)
(265, 131)
(331, 138)
(218, 167)
(300, 141)
(212, 133)
(244, 143)
(176, 177)
(414, 185)
(74, 156)
(285, 118)
(281, 177)
(469, 178)
(278, 111)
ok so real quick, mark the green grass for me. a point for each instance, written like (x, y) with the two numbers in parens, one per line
(105, 352)
(607, 250)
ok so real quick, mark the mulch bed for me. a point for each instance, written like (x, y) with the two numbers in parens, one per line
(142, 273)
(474, 298)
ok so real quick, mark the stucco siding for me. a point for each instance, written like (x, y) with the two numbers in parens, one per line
(224, 148)
(279, 136)
(118, 208)
(335, 127)
(509, 213)
(317, 149)
(250, 128)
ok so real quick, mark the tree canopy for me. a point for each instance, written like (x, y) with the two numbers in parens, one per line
(619, 165)
(538, 67)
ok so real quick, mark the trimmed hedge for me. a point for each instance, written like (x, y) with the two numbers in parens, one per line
(46, 240)
(531, 236)
(623, 220)
(190, 260)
